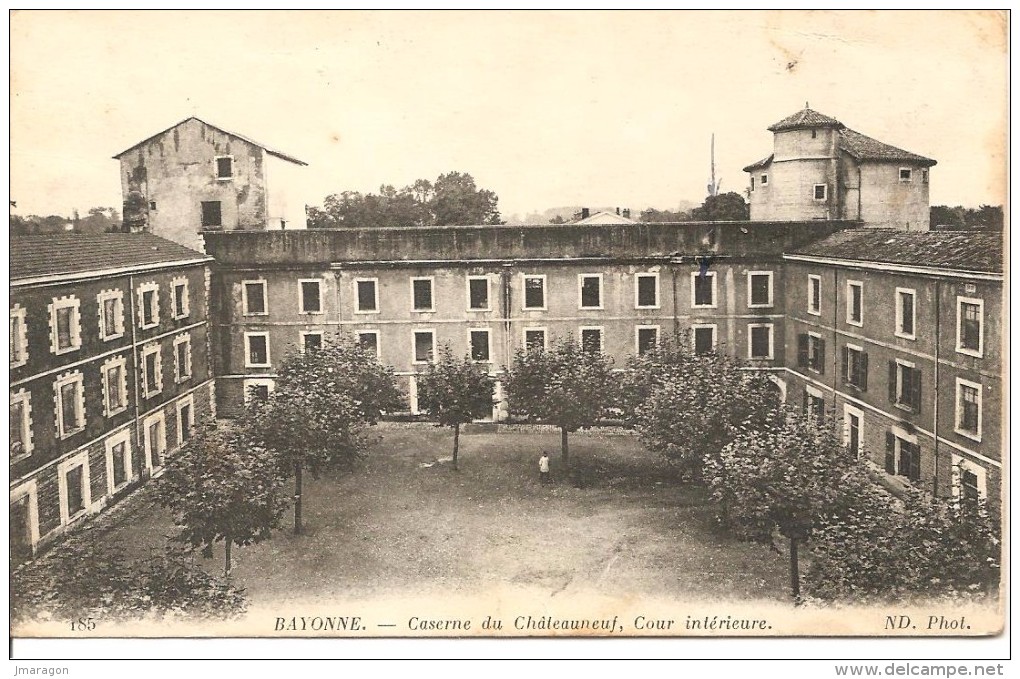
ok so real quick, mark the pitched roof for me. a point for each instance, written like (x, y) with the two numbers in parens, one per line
(863, 147)
(77, 254)
(270, 151)
(805, 119)
(761, 163)
(954, 250)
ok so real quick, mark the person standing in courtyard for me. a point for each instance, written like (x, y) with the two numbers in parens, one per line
(543, 467)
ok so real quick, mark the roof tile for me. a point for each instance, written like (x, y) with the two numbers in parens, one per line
(954, 250)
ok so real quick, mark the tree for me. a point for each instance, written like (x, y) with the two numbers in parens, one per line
(653, 215)
(984, 218)
(455, 392)
(723, 207)
(452, 199)
(318, 411)
(783, 474)
(877, 547)
(221, 487)
(567, 386)
(688, 406)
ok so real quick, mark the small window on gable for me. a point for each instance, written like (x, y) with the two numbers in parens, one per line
(224, 167)
(905, 173)
(764, 180)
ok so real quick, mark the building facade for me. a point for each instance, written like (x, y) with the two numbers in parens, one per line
(196, 176)
(898, 336)
(821, 169)
(109, 371)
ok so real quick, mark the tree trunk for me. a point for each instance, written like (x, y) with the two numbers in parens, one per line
(794, 570)
(226, 565)
(564, 449)
(456, 443)
(297, 498)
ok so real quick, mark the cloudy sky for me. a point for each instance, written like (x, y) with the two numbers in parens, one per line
(546, 109)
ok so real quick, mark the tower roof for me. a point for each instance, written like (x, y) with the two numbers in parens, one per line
(805, 119)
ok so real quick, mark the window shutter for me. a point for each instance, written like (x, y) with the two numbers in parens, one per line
(892, 381)
(862, 380)
(806, 412)
(847, 377)
(915, 389)
(914, 473)
(821, 356)
(890, 453)
(802, 350)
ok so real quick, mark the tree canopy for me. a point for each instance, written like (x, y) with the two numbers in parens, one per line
(984, 218)
(723, 207)
(453, 198)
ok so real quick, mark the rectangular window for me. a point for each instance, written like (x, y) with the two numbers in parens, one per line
(902, 457)
(905, 313)
(968, 409)
(811, 352)
(814, 295)
(118, 461)
(853, 424)
(591, 340)
(478, 293)
(74, 480)
(111, 314)
(152, 370)
(480, 345)
(905, 174)
(114, 373)
(424, 346)
(703, 289)
(368, 300)
(21, 424)
(182, 357)
(256, 354)
(905, 385)
(224, 167)
(70, 398)
(421, 291)
(646, 338)
(211, 216)
(19, 337)
(814, 404)
(855, 367)
(969, 482)
(752, 183)
(65, 324)
(155, 440)
(704, 338)
(148, 305)
(647, 291)
(970, 326)
(181, 302)
(253, 300)
(311, 341)
(855, 303)
(764, 180)
(369, 341)
(821, 191)
(759, 341)
(759, 289)
(534, 292)
(185, 418)
(590, 291)
(924, 176)
(257, 390)
(534, 338)
(311, 296)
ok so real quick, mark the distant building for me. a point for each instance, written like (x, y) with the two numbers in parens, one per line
(109, 371)
(821, 169)
(603, 217)
(196, 176)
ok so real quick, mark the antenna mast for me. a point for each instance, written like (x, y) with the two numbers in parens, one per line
(713, 186)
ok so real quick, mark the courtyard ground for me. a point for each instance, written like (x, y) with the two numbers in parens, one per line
(405, 523)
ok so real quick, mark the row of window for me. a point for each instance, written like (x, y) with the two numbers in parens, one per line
(478, 298)
(821, 191)
(66, 323)
(760, 344)
(69, 393)
(969, 314)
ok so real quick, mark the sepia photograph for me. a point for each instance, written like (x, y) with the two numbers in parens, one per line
(359, 325)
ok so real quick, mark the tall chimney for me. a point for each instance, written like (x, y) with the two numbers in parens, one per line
(626, 213)
(585, 213)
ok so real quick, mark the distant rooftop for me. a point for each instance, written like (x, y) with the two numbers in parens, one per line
(954, 250)
(267, 149)
(75, 254)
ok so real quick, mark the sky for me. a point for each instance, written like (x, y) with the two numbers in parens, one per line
(544, 108)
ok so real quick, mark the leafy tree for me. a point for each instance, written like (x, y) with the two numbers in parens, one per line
(317, 414)
(455, 392)
(452, 199)
(782, 474)
(567, 386)
(959, 218)
(653, 215)
(688, 406)
(221, 487)
(881, 548)
(723, 207)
